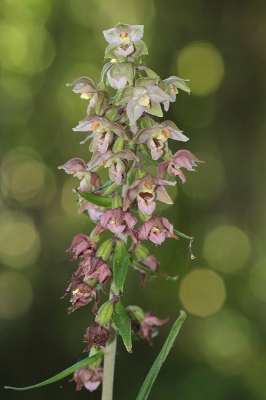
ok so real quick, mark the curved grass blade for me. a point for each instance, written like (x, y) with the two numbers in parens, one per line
(147, 384)
(149, 271)
(64, 373)
(98, 200)
(122, 322)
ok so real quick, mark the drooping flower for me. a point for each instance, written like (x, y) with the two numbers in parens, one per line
(82, 246)
(94, 267)
(171, 86)
(181, 159)
(156, 230)
(96, 334)
(150, 262)
(103, 132)
(145, 190)
(157, 136)
(93, 210)
(82, 294)
(98, 99)
(115, 162)
(124, 40)
(88, 377)
(75, 166)
(144, 324)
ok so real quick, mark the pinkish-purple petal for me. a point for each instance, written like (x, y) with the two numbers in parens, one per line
(163, 196)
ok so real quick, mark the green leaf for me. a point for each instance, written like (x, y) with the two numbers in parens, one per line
(63, 374)
(120, 265)
(147, 155)
(149, 271)
(149, 381)
(122, 322)
(95, 199)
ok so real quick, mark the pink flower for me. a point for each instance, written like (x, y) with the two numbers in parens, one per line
(103, 132)
(156, 230)
(150, 262)
(94, 267)
(82, 294)
(88, 377)
(145, 190)
(75, 166)
(116, 220)
(82, 246)
(144, 325)
(157, 135)
(181, 159)
(94, 211)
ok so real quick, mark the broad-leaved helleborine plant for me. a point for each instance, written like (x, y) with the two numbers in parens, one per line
(124, 125)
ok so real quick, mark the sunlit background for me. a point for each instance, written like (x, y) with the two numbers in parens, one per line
(221, 47)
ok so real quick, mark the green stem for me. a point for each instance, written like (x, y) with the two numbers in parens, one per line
(109, 358)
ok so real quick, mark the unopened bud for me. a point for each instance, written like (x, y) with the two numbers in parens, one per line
(136, 312)
(141, 252)
(95, 364)
(95, 238)
(117, 201)
(111, 113)
(140, 172)
(131, 176)
(105, 313)
(146, 122)
(105, 249)
(118, 145)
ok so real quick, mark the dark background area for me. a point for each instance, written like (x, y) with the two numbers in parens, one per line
(220, 352)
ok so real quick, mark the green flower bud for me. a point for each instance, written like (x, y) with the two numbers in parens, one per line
(95, 238)
(143, 217)
(109, 189)
(111, 113)
(141, 252)
(140, 172)
(118, 144)
(105, 313)
(105, 249)
(117, 201)
(136, 312)
(131, 176)
(146, 122)
(97, 362)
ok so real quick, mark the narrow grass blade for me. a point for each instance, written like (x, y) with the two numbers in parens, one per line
(151, 272)
(147, 385)
(64, 373)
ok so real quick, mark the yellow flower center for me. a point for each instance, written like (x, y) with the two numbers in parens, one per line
(144, 101)
(165, 133)
(86, 96)
(95, 125)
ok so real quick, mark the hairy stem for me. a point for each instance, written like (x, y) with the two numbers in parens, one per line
(109, 358)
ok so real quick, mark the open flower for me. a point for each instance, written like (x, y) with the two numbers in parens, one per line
(171, 86)
(93, 210)
(116, 220)
(82, 294)
(118, 74)
(98, 100)
(157, 135)
(94, 267)
(156, 230)
(124, 40)
(145, 190)
(102, 132)
(144, 97)
(181, 159)
(88, 377)
(75, 166)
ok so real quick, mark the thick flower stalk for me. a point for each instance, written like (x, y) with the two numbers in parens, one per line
(119, 127)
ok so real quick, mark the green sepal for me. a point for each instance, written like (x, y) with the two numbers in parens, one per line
(104, 251)
(146, 154)
(117, 201)
(182, 85)
(152, 375)
(66, 372)
(120, 265)
(149, 271)
(143, 217)
(105, 313)
(122, 322)
(95, 199)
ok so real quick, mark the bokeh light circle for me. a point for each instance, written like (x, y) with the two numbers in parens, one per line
(226, 248)
(230, 342)
(258, 279)
(19, 240)
(202, 292)
(203, 64)
(15, 295)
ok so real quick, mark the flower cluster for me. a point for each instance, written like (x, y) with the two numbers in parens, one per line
(120, 129)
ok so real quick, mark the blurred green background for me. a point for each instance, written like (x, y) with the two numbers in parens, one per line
(221, 47)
